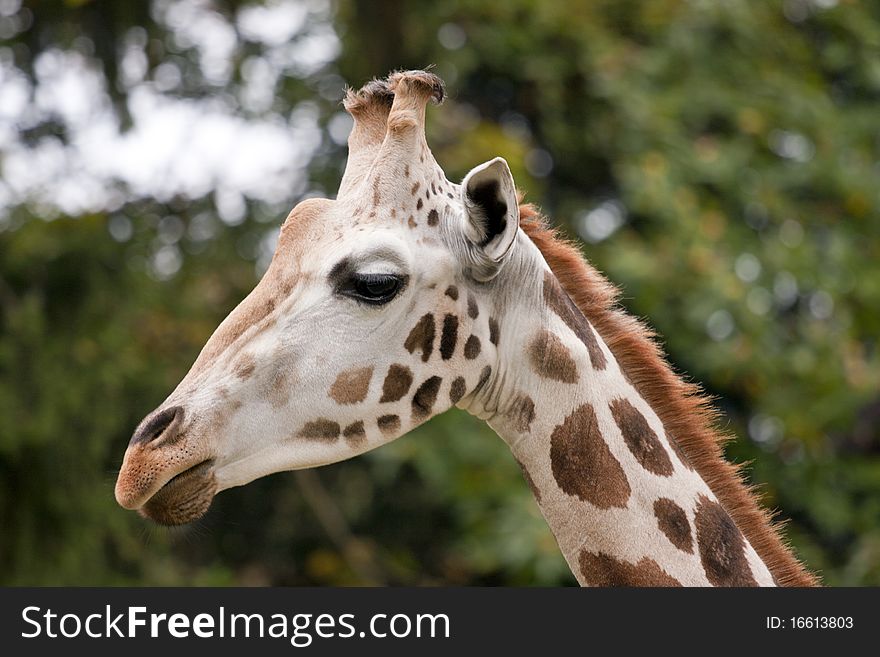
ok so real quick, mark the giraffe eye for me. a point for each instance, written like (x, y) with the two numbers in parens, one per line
(375, 289)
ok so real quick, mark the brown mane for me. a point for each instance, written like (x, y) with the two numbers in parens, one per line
(686, 413)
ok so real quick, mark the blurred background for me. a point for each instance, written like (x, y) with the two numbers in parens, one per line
(720, 161)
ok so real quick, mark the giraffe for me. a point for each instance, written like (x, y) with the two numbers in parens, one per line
(409, 294)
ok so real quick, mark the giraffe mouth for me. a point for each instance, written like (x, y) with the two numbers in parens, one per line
(184, 498)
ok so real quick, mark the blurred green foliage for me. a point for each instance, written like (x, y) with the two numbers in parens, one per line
(721, 162)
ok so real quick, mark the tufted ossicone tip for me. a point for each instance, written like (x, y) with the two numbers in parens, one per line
(416, 82)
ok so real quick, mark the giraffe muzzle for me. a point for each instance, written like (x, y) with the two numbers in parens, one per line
(166, 475)
(186, 497)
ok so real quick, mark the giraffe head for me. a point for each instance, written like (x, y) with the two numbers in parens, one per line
(376, 313)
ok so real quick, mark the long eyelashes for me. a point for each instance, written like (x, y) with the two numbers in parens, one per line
(373, 289)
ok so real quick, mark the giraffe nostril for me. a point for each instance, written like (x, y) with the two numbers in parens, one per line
(158, 425)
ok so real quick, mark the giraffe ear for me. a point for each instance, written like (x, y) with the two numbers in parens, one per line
(489, 196)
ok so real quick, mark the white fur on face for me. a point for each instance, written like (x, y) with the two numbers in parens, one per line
(273, 389)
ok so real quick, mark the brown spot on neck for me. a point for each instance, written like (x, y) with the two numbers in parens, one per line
(245, 366)
(388, 424)
(522, 412)
(472, 347)
(351, 386)
(426, 395)
(422, 337)
(600, 569)
(449, 336)
(673, 522)
(493, 331)
(640, 438)
(433, 217)
(472, 308)
(397, 383)
(452, 292)
(561, 304)
(551, 359)
(582, 464)
(320, 429)
(355, 433)
(721, 545)
(457, 390)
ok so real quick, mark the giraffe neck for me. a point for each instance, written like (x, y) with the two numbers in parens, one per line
(620, 497)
